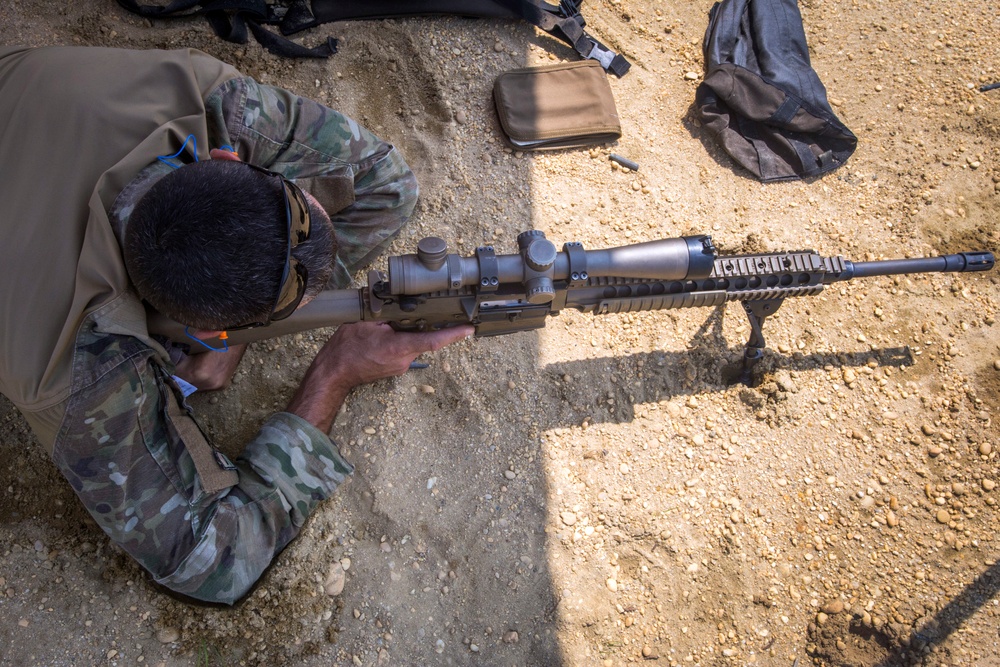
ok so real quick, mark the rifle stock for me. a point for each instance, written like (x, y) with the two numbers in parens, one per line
(501, 294)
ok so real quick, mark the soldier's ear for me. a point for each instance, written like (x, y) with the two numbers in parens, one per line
(222, 154)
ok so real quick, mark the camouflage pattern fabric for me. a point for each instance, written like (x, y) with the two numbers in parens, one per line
(117, 445)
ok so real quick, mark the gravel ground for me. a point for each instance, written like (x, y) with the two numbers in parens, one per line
(595, 493)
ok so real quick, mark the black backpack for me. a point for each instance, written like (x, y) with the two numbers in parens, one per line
(231, 20)
(761, 98)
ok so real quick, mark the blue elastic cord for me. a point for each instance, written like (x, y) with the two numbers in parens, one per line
(224, 348)
(165, 159)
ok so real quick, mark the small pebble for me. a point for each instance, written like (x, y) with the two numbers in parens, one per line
(167, 635)
(833, 607)
(612, 585)
(568, 518)
(943, 516)
(985, 449)
(427, 389)
(989, 485)
(511, 637)
(335, 580)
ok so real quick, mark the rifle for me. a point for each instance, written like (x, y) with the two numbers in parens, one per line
(502, 294)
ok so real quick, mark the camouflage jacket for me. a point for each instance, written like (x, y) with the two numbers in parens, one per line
(125, 442)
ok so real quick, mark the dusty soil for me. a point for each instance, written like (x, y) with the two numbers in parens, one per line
(595, 493)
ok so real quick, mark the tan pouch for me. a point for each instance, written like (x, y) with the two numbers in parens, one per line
(556, 106)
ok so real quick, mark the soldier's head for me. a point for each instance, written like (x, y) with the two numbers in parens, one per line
(220, 244)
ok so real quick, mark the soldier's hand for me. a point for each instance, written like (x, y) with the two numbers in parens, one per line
(367, 351)
(357, 354)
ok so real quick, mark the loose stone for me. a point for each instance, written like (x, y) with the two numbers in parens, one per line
(985, 449)
(511, 637)
(335, 580)
(167, 635)
(943, 516)
(989, 485)
(833, 607)
(612, 585)
(568, 518)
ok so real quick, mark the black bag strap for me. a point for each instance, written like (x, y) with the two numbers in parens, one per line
(231, 18)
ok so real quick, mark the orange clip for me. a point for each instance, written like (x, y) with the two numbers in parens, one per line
(224, 335)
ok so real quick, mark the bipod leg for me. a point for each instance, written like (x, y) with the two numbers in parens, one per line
(753, 352)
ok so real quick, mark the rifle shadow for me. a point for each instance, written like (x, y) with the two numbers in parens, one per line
(949, 619)
(709, 364)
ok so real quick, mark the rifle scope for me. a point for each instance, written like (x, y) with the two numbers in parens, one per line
(432, 269)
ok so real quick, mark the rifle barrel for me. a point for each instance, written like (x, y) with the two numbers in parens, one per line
(960, 262)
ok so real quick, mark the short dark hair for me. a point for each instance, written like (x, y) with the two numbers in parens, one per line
(206, 245)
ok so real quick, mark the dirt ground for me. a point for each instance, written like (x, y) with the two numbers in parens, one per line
(595, 493)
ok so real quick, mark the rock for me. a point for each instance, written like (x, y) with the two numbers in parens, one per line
(985, 449)
(511, 637)
(891, 519)
(943, 516)
(612, 585)
(335, 580)
(833, 607)
(168, 635)
(989, 485)
(821, 618)
(568, 518)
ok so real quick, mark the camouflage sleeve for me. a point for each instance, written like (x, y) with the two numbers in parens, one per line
(127, 463)
(306, 141)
